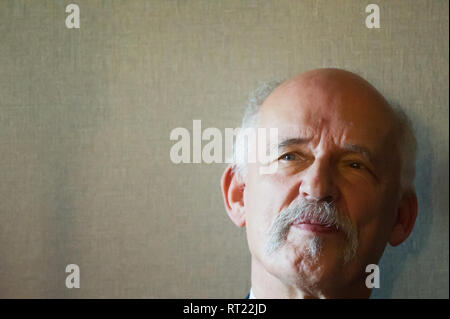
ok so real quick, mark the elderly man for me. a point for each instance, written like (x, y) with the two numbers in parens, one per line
(342, 190)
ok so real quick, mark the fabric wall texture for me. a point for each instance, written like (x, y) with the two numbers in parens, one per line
(86, 115)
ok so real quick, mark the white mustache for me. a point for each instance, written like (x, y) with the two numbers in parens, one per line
(302, 210)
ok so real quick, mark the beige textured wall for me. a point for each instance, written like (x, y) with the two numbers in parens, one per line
(85, 118)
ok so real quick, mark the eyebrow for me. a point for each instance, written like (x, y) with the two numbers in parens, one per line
(361, 150)
(292, 141)
(364, 151)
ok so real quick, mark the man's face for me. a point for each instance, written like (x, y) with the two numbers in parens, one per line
(336, 146)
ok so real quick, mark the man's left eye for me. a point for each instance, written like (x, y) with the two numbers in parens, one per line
(356, 165)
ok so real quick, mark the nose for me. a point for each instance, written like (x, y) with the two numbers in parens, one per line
(317, 183)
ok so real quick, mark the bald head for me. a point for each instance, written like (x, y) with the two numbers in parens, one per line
(325, 96)
(334, 91)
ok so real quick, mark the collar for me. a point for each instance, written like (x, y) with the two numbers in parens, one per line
(251, 296)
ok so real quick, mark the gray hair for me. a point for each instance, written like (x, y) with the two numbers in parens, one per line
(256, 99)
(407, 148)
(406, 141)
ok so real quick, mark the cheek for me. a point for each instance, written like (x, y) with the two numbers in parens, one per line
(264, 197)
(361, 209)
(361, 200)
(373, 215)
(368, 205)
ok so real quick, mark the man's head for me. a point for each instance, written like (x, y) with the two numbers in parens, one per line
(342, 190)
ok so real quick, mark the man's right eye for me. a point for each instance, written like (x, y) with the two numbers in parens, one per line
(288, 157)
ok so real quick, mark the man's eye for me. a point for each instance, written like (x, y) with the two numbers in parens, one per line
(288, 157)
(356, 165)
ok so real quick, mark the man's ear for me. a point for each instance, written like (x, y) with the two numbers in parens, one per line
(233, 195)
(406, 217)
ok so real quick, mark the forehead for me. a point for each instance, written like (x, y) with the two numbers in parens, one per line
(353, 113)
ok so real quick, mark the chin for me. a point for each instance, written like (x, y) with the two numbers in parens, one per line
(296, 266)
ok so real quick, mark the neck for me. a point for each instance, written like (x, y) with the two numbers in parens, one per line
(267, 286)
